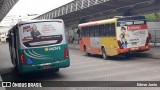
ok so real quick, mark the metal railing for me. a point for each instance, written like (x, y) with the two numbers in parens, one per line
(6, 7)
(70, 7)
(155, 36)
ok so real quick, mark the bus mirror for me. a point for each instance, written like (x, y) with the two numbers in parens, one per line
(8, 39)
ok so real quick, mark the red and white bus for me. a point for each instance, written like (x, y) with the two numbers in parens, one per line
(114, 36)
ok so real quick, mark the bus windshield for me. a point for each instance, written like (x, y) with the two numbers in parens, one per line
(41, 33)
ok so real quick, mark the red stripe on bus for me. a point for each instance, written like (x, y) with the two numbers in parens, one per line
(137, 27)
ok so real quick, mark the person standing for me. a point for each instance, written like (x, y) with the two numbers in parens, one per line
(35, 33)
(123, 37)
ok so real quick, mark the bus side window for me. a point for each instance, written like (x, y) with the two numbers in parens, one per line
(145, 22)
(87, 31)
(96, 31)
(102, 30)
(82, 32)
(79, 33)
(92, 31)
(107, 30)
(119, 24)
(113, 29)
(14, 40)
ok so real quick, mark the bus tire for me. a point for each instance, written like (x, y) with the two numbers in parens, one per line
(17, 68)
(85, 51)
(105, 57)
(11, 55)
(128, 55)
(56, 70)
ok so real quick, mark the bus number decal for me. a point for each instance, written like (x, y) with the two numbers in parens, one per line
(137, 27)
(52, 48)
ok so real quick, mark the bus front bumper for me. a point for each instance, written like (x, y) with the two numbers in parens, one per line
(41, 67)
(136, 49)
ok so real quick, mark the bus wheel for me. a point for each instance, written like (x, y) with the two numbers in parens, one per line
(128, 55)
(56, 70)
(105, 57)
(16, 66)
(85, 51)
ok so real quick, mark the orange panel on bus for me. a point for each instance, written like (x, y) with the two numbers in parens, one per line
(94, 51)
(84, 42)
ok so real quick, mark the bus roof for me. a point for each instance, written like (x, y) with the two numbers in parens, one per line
(98, 22)
(131, 18)
(119, 18)
(43, 20)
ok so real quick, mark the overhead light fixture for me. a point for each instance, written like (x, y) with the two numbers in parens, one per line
(151, 1)
(131, 6)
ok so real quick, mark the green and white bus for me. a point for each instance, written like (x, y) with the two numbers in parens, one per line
(38, 45)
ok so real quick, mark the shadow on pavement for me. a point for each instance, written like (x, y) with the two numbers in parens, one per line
(131, 56)
(34, 76)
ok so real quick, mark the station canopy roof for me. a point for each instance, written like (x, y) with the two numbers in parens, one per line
(78, 10)
(5, 7)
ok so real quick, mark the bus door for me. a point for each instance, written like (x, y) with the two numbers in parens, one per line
(13, 44)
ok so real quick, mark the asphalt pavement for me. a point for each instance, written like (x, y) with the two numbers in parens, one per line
(92, 68)
(154, 51)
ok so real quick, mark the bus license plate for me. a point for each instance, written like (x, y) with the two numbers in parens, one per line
(134, 43)
(46, 67)
(132, 49)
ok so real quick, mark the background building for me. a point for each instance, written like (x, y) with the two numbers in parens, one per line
(3, 33)
(9, 21)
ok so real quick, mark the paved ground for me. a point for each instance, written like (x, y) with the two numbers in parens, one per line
(154, 52)
(93, 68)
